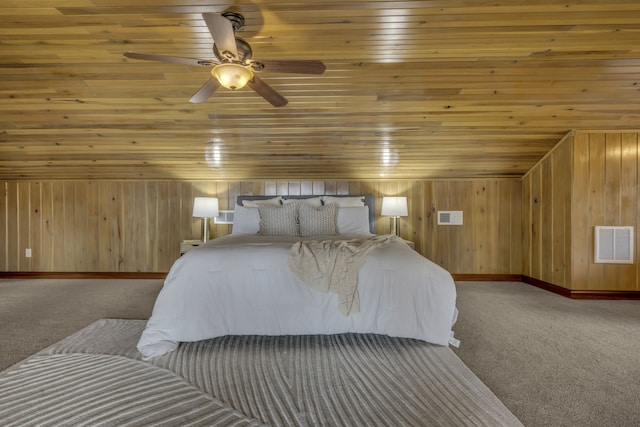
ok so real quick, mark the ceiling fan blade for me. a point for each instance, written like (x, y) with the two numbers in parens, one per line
(221, 30)
(174, 59)
(267, 92)
(304, 66)
(205, 91)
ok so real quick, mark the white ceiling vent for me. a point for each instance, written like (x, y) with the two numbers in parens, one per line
(225, 217)
(613, 245)
(449, 217)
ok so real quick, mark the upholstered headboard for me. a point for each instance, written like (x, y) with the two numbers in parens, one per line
(368, 201)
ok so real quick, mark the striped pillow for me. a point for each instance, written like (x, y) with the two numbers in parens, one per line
(317, 221)
(278, 220)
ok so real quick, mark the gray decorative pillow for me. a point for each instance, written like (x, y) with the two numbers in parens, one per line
(344, 202)
(278, 220)
(313, 201)
(277, 201)
(317, 221)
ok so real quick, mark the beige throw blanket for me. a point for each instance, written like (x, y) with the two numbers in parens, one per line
(333, 265)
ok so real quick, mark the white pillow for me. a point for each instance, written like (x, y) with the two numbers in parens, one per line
(312, 201)
(317, 221)
(245, 220)
(277, 201)
(278, 220)
(344, 202)
(353, 220)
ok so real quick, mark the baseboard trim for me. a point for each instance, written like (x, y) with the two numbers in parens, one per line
(582, 294)
(80, 275)
(146, 275)
(486, 277)
(550, 287)
(547, 286)
(634, 295)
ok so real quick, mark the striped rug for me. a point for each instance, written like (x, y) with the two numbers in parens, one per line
(96, 378)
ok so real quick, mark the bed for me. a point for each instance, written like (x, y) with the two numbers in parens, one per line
(246, 283)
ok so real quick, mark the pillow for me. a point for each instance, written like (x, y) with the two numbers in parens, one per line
(353, 220)
(277, 201)
(278, 220)
(313, 201)
(245, 220)
(344, 202)
(317, 221)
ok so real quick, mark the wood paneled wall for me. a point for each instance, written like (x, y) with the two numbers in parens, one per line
(546, 234)
(130, 226)
(605, 192)
(590, 178)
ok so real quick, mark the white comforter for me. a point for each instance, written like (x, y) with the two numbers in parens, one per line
(242, 285)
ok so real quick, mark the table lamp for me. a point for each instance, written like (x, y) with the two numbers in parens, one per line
(395, 207)
(205, 208)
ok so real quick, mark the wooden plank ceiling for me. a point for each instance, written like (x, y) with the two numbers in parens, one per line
(412, 89)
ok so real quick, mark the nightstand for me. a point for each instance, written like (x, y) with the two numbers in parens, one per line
(187, 245)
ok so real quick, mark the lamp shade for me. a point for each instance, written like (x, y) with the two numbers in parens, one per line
(205, 207)
(232, 76)
(394, 206)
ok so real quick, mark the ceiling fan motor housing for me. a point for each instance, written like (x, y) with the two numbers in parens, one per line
(237, 20)
(244, 51)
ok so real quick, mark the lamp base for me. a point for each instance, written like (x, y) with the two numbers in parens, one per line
(394, 226)
(206, 231)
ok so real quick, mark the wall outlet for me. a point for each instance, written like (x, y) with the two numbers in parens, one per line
(27, 252)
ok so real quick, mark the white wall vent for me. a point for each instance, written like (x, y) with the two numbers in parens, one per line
(449, 217)
(613, 245)
(225, 217)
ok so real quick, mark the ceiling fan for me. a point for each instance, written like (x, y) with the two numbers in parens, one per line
(233, 66)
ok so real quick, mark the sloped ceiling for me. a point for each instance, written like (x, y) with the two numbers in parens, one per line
(412, 89)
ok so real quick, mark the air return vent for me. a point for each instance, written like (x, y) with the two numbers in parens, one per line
(613, 245)
(225, 217)
(449, 217)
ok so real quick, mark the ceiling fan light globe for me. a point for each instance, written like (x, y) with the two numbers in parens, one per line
(232, 76)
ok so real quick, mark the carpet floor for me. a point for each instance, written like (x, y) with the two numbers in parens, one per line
(97, 377)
